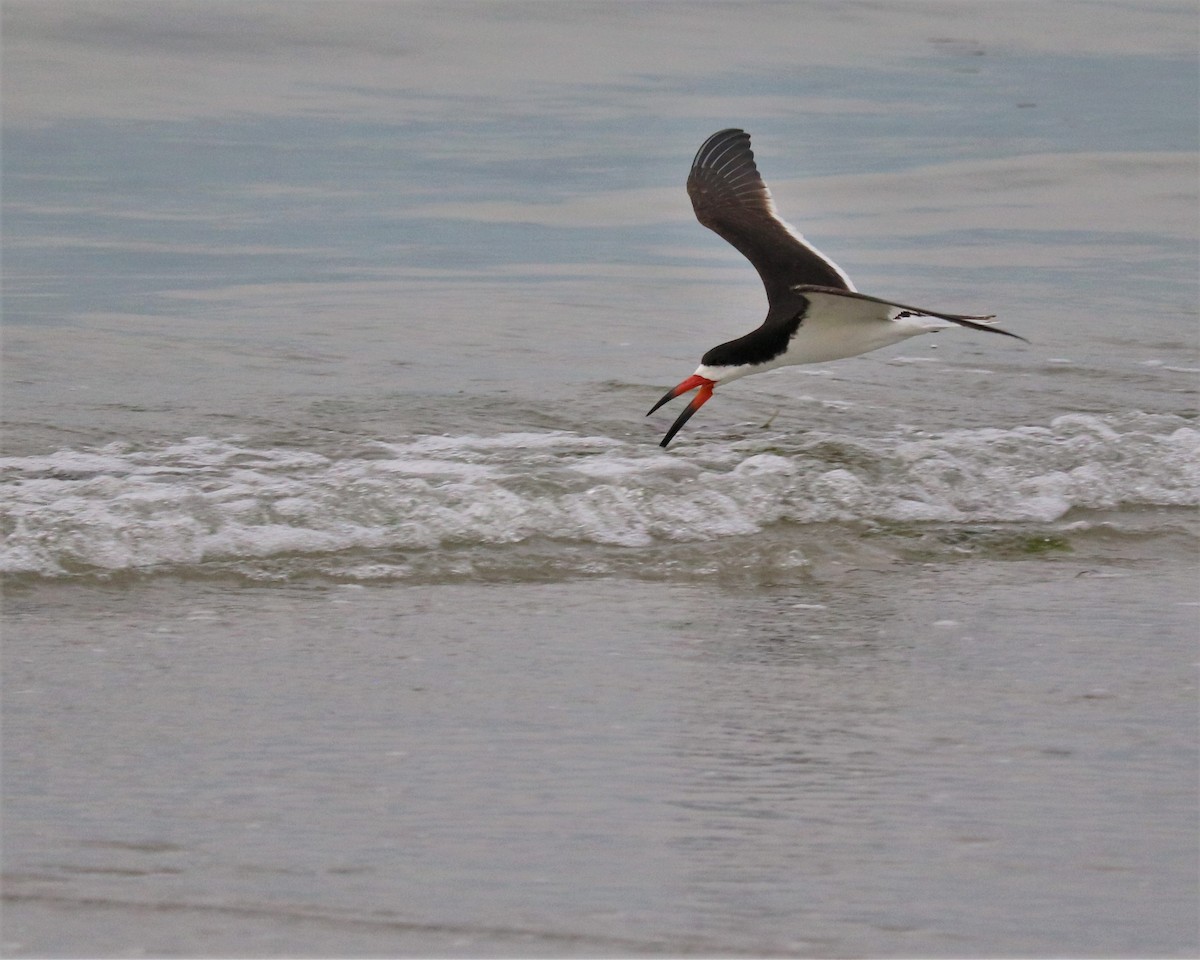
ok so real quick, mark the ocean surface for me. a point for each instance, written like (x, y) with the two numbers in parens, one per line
(351, 607)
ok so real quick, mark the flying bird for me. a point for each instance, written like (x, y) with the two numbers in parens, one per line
(813, 311)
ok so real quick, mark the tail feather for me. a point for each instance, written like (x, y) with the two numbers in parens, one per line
(981, 323)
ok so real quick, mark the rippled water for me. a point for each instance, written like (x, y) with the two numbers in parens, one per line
(352, 607)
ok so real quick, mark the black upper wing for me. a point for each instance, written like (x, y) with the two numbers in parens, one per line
(730, 198)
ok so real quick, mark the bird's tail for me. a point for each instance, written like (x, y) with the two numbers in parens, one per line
(986, 324)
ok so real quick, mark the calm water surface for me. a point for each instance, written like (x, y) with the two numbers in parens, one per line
(352, 608)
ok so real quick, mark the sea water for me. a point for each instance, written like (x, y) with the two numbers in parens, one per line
(352, 607)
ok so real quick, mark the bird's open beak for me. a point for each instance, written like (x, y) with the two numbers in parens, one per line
(699, 400)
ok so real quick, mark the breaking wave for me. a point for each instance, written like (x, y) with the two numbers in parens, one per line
(205, 501)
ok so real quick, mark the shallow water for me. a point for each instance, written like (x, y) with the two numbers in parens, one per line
(898, 759)
(352, 608)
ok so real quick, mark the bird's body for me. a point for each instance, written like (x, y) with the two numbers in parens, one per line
(814, 313)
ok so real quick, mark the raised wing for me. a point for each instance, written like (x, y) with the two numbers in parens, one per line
(731, 199)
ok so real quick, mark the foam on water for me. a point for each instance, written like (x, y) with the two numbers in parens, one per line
(208, 501)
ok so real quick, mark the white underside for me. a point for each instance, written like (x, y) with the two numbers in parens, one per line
(834, 328)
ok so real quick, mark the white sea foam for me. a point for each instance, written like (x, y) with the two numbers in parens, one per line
(204, 500)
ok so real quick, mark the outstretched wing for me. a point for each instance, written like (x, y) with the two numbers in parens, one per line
(731, 199)
(854, 306)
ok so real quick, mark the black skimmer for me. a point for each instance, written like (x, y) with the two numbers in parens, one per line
(813, 311)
